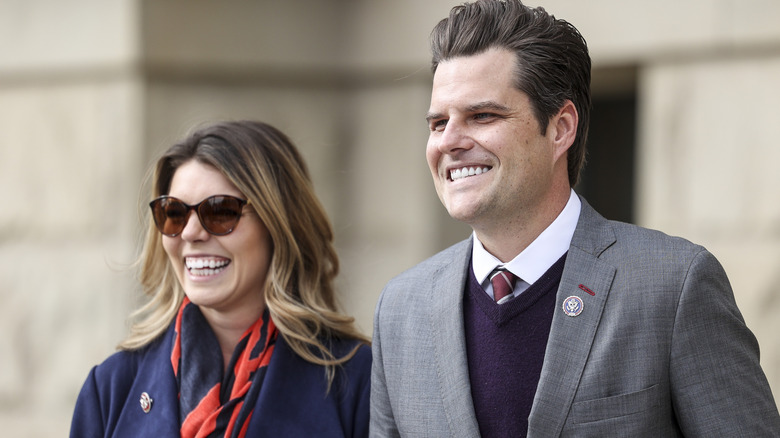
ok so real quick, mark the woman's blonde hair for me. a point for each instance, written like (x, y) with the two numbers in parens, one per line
(299, 293)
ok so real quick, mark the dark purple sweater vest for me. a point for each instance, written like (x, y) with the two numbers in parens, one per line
(505, 347)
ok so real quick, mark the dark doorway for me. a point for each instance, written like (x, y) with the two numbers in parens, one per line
(607, 181)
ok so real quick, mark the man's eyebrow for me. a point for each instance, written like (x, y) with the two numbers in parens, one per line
(487, 105)
(432, 116)
(477, 107)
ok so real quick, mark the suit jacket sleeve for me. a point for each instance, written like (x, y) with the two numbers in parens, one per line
(718, 387)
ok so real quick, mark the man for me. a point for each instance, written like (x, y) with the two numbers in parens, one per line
(550, 320)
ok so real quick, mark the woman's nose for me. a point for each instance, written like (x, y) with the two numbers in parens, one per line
(193, 229)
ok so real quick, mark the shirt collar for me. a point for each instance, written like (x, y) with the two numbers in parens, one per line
(542, 253)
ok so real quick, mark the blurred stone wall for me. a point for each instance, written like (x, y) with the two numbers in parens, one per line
(91, 91)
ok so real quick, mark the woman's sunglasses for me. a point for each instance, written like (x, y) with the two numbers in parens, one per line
(218, 214)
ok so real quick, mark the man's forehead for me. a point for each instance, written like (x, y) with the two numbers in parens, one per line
(477, 76)
(475, 95)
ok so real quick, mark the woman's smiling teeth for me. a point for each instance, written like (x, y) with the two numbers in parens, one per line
(205, 266)
(466, 172)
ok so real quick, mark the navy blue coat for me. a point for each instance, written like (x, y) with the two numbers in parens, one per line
(292, 403)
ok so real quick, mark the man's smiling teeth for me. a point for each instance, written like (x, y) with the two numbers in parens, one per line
(208, 266)
(466, 172)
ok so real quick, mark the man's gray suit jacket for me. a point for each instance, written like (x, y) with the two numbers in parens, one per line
(660, 348)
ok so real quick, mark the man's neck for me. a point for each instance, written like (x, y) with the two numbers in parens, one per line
(508, 239)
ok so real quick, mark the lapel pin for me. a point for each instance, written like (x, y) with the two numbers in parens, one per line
(572, 306)
(587, 290)
(146, 402)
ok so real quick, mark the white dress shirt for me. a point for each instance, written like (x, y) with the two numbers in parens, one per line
(537, 258)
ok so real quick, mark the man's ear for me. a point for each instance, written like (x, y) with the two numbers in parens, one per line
(564, 128)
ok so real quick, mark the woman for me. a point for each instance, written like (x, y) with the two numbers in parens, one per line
(240, 336)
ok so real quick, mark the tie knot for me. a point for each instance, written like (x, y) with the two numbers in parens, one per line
(503, 283)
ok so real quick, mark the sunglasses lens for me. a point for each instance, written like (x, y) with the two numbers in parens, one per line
(170, 215)
(220, 214)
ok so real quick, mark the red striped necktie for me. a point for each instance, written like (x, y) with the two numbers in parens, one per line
(503, 284)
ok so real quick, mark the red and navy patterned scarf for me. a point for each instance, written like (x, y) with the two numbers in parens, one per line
(212, 404)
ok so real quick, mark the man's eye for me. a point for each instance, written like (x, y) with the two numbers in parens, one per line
(438, 125)
(483, 116)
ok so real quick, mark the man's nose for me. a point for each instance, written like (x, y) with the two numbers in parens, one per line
(453, 138)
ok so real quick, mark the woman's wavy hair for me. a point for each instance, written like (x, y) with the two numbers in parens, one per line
(266, 167)
(553, 63)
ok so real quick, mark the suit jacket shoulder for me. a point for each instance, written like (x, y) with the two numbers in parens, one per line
(423, 271)
(659, 348)
(419, 382)
(296, 399)
(109, 401)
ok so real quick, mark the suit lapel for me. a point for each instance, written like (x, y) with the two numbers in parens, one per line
(571, 337)
(446, 306)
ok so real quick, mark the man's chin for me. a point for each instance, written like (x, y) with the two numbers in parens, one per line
(463, 213)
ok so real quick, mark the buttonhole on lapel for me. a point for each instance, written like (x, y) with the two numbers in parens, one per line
(587, 290)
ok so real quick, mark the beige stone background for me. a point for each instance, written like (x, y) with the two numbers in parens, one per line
(92, 90)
